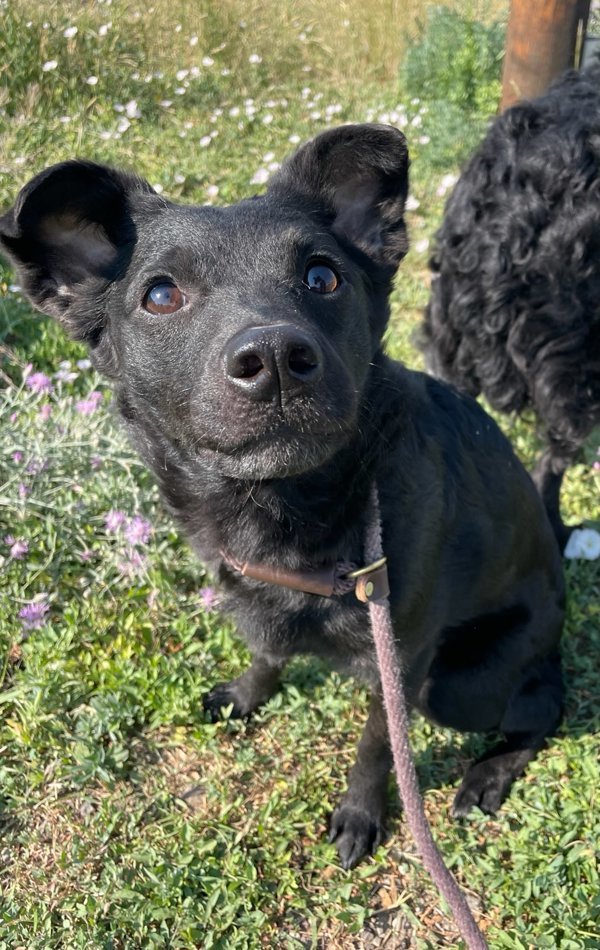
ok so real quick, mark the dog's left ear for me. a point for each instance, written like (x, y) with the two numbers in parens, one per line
(359, 174)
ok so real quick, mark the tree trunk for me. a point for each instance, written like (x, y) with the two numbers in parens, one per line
(544, 38)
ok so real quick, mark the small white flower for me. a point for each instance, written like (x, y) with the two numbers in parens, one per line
(70, 32)
(105, 136)
(84, 364)
(179, 178)
(417, 122)
(65, 119)
(424, 140)
(267, 119)
(268, 157)
(122, 125)
(255, 59)
(447, 182)
(205, 141)
(208, 61)
(179, 91)
(181, 74)
(412, 203)
(294, 139)
(158, 189)
(193, 40)
(103, 30)
(50, 65)
(212, 191)
(260, 177)
(584, 543)
(131, 109)
(421, 246)
(225, 72)
(234, 112)
(92, 80)
(166, 103)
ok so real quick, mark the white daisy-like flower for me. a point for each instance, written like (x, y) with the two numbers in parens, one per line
(70, 32)
(421, 246)
(412, 203)
(92, 80)
(255, 59)
(584, 543)
(205, 141)
(49, 66)
(260, 177)
(447, 182)
(208, 61)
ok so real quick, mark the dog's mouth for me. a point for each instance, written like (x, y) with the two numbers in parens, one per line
(283, 452)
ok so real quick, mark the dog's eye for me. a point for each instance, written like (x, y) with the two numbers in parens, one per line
(164, 298)
(321, 278)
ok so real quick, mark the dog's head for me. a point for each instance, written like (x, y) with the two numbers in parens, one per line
(242, 334)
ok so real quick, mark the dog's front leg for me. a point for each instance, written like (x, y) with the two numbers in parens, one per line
(357, 823)
(249, 691)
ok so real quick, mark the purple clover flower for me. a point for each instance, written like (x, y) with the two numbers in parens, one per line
(33, 614)
(209, 599)
(39, 383)
(86, 407)
(18, 547)
(138, 531)
(23, 491)
(114, 521)
(96, 461)
(17, 457)
(45, 412)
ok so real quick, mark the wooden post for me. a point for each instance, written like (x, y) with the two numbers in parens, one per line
(541, 42)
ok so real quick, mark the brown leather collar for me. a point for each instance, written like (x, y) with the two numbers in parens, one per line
(369, 583)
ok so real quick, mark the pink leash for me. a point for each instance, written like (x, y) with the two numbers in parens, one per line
(397, 719)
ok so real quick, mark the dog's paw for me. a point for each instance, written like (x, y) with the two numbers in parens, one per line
(224, 696)
(355, 833)
(483, 786)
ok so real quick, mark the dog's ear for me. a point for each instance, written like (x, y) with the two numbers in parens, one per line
(359, 174)
(69, 234)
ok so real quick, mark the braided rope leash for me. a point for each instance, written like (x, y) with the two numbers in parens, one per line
(397, 719)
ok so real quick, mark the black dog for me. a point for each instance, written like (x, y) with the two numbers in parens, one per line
(245, 348)
(515, 308)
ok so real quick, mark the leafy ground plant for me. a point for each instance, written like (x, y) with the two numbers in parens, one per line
(127, 820)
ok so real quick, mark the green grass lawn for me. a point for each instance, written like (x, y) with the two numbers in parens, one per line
(127, 820)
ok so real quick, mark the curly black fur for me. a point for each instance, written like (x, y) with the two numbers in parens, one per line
(515, 304)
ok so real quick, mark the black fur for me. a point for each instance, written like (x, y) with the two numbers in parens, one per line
(515, 301)
(266, 409)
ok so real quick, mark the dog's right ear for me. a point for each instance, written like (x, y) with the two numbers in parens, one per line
(359, 175)
(69, 234)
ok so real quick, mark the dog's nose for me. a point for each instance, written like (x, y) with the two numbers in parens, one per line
(263, 361)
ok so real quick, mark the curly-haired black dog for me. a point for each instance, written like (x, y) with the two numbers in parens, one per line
(244, 345)
(515, 304)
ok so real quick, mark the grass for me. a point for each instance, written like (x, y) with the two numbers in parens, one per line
(126, 820)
